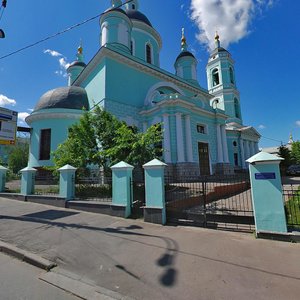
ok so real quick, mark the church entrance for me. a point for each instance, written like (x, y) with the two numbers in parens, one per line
(204, 158)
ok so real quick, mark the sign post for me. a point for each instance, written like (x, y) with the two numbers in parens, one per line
(8, 126)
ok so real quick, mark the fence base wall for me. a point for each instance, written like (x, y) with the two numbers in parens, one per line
(284, 237)
(47, 200)
(99, 208)
(154, 215)
(13, 196)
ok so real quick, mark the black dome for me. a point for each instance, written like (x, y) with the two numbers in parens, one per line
(77, 63)
(71, 97)
(136, 15)
(184, 54)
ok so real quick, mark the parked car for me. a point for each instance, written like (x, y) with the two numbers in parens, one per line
(293, 170)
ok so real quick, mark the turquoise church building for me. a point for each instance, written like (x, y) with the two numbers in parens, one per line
(203, 131)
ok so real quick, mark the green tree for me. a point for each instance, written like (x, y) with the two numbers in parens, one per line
(285, 153)
(99, 138)
(295, 153)
(18, 155)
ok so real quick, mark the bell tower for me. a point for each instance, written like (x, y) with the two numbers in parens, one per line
(222, 84)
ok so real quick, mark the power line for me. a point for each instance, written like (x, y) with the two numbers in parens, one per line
(271, 139)
(60, 32)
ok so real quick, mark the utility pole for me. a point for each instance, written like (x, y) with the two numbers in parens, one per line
(3, 6)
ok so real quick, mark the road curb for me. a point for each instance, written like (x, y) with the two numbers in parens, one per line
(26, 256)
(81, 289)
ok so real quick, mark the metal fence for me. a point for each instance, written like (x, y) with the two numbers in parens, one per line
(211, 201)
(94, 188)
(13, 186)
(46, 186)
(291, 198)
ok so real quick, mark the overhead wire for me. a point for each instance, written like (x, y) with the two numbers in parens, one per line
(60, 32)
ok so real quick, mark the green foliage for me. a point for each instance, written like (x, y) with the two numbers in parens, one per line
(295, 153)
(285, 153)
(99, 138)
(18, 156)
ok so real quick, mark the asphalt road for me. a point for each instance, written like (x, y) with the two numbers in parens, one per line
(145, 261)
(20, 281)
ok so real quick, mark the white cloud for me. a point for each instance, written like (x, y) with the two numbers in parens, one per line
(63, 63)
(62, 60)
(262, 127)
(231, 18)
(52, 53)
(21, 118)
(298, 123)
(7, 101)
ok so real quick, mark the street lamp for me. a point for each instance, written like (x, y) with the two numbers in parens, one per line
(2, 34)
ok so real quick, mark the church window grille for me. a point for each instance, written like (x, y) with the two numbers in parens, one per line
(231, 75)
(45, 144)
(215, 77)
(201, 128)
(148, 54)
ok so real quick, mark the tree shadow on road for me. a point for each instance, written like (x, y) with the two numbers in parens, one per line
(167, 261)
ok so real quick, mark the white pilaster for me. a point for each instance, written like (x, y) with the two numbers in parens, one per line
(252, 150)
(167, 142)
(242, 153)
(219, 143)
(224, 142)
(247, 148)
(188, 134)
(179, 135)
(256, 147)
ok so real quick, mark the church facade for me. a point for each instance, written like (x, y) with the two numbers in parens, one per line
(203, 131)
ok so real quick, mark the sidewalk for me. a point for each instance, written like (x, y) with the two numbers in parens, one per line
(145, 261)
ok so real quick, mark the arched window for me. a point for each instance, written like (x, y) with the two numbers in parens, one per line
(231, 75)
(133, 6)
(237, 108)
(215, 77)
(148, 54)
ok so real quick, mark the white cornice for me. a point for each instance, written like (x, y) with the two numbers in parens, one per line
(108, 51)
(184, 104)
(52, 115)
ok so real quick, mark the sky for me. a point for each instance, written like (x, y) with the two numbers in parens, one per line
(261, 35)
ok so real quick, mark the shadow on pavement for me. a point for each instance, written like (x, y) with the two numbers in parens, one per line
(167, 261)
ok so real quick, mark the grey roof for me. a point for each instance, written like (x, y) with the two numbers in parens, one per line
(115, 9)
(77, 63)
(218, 50)
(137, 15)
(185, 54)
(71, 97)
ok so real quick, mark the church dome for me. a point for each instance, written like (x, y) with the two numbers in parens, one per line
(137, 15)
(77, 63)
(71, 97)
(185, 54)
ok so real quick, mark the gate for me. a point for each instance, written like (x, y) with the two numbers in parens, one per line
(137, 194)
(222, 201)
(291, 198)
